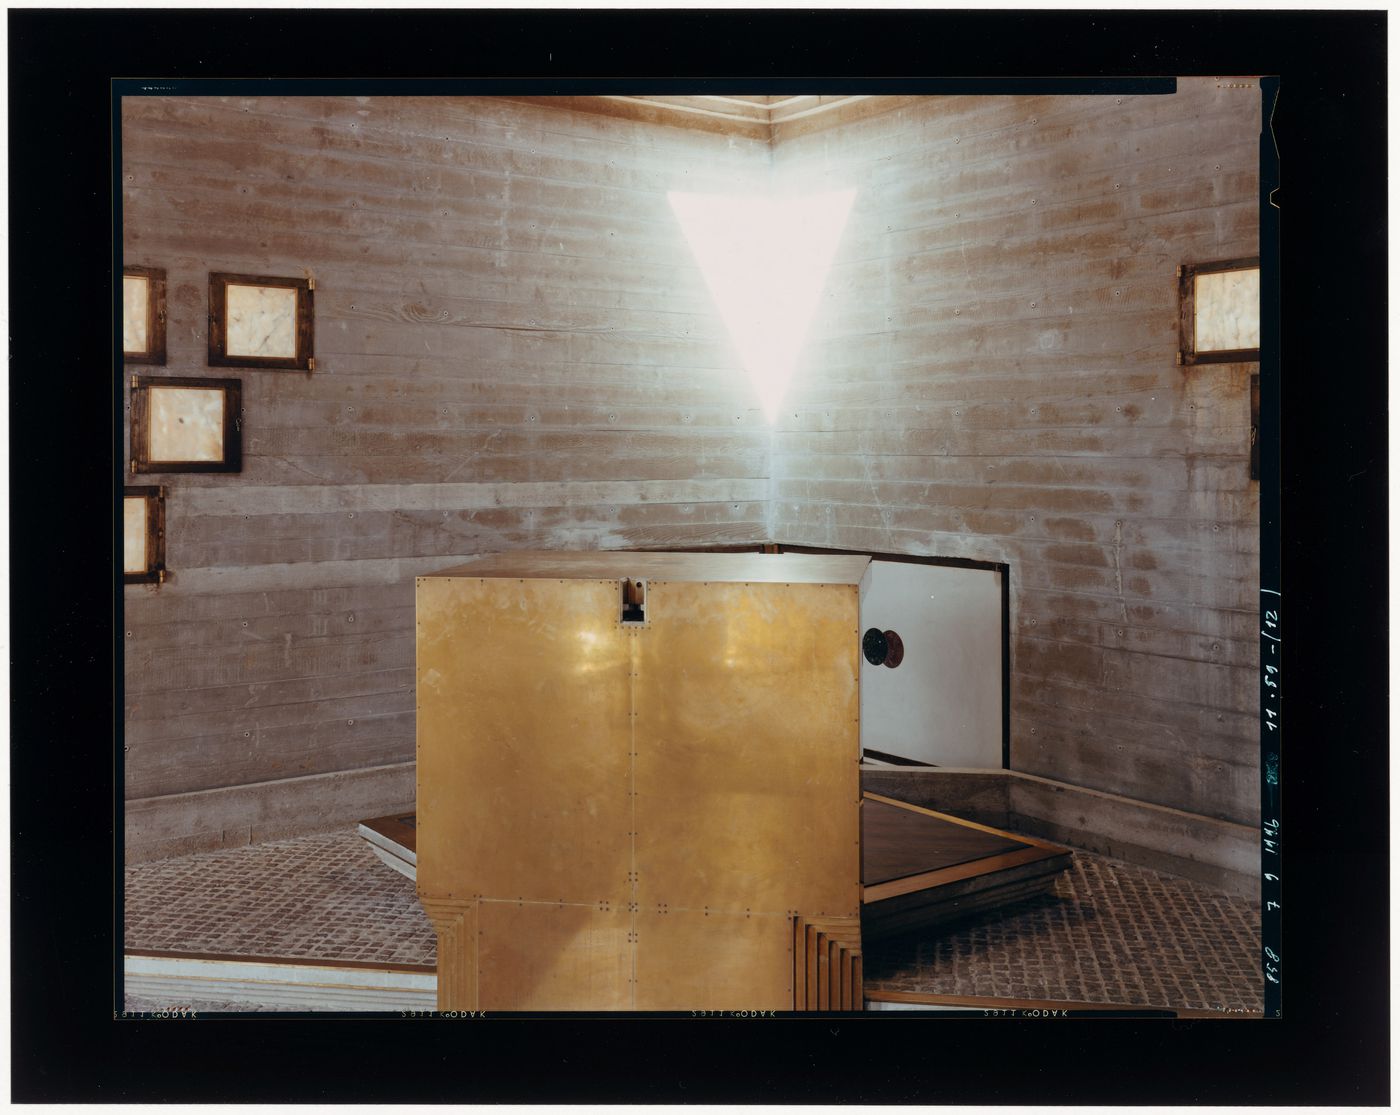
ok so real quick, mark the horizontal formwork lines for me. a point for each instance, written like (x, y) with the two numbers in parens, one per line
(990, 129)
(1193, 233)
(930, 385)
(445, 464)
(1025, 216)
(235, 699)
(466, 199)
(228, 723)
(251, 629)
(227, 248)
(505, 441)
(428, 237)
(391, 377)
(630, 233)
(1199, 442)
(1217, 634)
(1141, 672)
(1054, 454)
(1083, 710)
(461, 274)
(182, 667)
(188, 766)
(1232, 589)
(910, 198)
(500, 121)
(253, 500)
(1163, 404)
(305, 155)
(695, 154)
(408, 414)
(1133, 637)
(428, 532)
(921, 480)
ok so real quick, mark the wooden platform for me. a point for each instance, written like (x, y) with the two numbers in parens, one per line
(394, 840)
(921, 868)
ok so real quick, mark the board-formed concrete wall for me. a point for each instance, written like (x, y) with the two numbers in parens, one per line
(515, 349)
(996, 379)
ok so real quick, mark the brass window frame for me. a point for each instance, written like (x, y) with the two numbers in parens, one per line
(1186, 300)
(155, 316)
(154, 573)
(232, 460)
(305, 358)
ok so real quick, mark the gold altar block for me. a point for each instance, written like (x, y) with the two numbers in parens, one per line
(636, 773)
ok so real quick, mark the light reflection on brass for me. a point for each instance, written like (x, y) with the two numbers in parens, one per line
(731, 714)
(523, 757)
(757, 760)
(551, 957)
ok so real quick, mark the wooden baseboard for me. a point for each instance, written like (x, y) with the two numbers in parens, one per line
(230, 817)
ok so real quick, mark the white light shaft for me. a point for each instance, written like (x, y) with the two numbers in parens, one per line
(765, 262)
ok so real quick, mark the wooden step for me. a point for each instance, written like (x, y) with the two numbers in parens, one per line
(921, 868)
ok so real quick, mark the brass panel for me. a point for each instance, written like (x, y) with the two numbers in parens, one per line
(825, 569)
(524, 728)
(550, 957)
(454, 921)
(688, 960)
(747, 765)
(822, 938)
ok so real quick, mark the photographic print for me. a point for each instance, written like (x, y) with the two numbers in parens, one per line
(768, 584)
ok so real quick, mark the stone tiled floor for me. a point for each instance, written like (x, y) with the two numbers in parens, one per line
(323, 897)
(1111, 933)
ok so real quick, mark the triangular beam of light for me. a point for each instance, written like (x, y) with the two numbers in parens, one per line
(765, 261)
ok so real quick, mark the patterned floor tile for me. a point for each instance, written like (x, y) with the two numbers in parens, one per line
(1110, 932)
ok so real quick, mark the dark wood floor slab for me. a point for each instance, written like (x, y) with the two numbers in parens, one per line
(896, 843)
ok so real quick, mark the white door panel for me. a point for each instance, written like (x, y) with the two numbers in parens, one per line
(942, 704)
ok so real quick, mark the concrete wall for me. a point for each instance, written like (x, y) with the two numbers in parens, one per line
(995, 379)
(513, 348)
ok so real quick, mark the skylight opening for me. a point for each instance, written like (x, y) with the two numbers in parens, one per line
(765, 261)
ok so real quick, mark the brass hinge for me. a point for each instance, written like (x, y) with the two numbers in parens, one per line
(1179, 358)
(133, 381)
(310, 283)
(311, 363)
(160, 575)
(133, 466)
(1180, 270)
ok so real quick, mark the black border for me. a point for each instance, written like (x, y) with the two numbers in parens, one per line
(1331, 1044)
